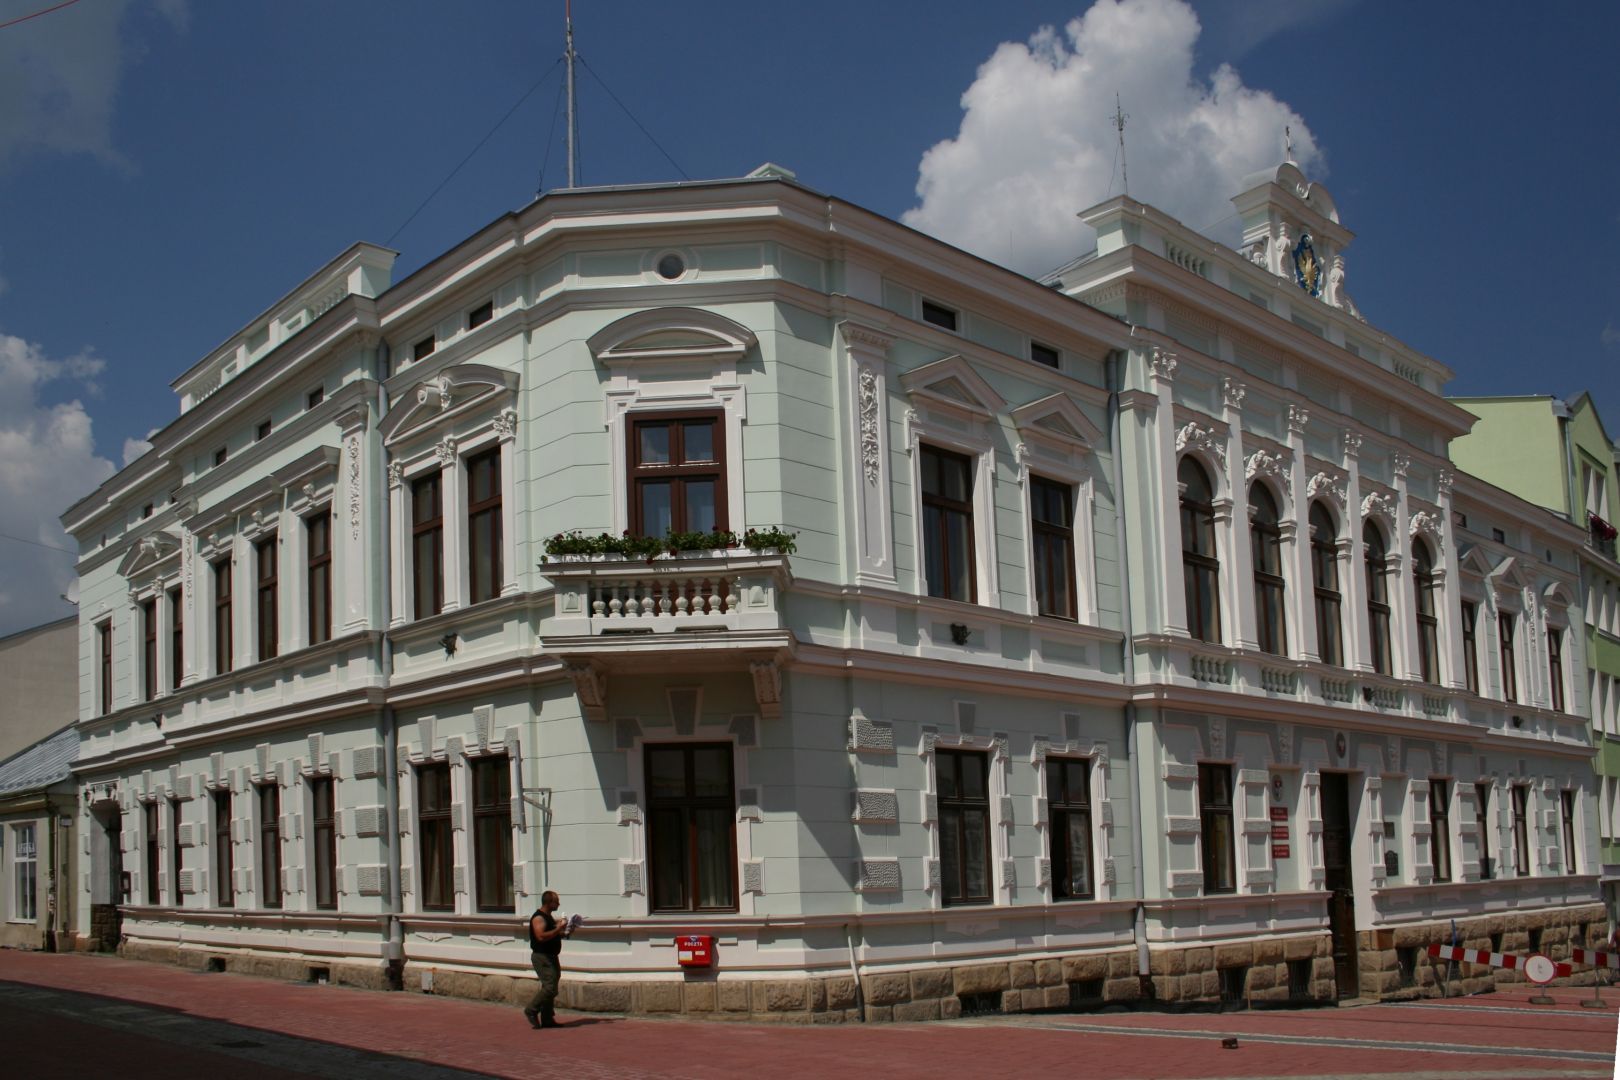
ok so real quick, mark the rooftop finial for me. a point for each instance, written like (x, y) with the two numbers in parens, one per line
(1288, 143)
(1119, 119)
(573, 130)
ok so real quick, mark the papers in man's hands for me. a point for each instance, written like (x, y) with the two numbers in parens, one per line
(574, 921)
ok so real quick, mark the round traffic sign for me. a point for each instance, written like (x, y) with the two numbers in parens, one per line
(1540, 970)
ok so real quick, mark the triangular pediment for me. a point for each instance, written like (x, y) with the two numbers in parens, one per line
(1508, 575)
(1057, 417)
(147, 552)
(953, 383)
(1473, 561)
(671, 333)
(454, 391)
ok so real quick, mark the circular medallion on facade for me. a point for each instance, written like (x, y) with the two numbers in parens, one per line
(1339, 744)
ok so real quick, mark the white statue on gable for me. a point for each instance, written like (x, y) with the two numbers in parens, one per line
(1279, 264)
(1337, 295)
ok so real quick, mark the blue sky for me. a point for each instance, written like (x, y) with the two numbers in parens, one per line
(169, 168)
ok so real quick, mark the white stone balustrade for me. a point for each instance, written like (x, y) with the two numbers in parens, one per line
(706, 591)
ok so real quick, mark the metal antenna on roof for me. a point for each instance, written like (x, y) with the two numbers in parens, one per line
(1119, 119)
(573, 130)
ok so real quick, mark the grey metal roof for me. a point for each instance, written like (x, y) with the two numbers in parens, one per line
(45, 763)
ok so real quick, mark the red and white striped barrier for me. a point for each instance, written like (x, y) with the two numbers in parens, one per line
(1508, 961)
(1596, 959)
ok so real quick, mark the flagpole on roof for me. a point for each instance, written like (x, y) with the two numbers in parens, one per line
(568, 26)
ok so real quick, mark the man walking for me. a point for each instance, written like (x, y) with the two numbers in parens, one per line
(545, 951)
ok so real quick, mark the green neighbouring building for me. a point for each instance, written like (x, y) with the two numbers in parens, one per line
(1559, 454)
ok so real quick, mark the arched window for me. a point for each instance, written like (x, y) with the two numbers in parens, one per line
(1428, 626)
(1265, 545)
(1200, 564)
(1376, 552)
(1325, 580)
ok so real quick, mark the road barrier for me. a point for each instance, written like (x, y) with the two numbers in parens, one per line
(1595, 959)
(1506, 961)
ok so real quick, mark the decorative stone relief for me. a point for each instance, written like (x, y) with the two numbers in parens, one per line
(753, 876)
(1232, 393)
(1378, 503)
(1401, 463)
(1443, 481)
(871, 736)
(876, 806)
(1285, 744)
(1298, 417)
(1351, 441)
(1324, 486)
(506, 424)
(1427, 523)
(1264, 463)
(869, 425)
(1163, 364)
(354, 486)
(767, 687)
(1217, 737)
(1195, 437)
(396, 474)
(445, 451)
(877, 875)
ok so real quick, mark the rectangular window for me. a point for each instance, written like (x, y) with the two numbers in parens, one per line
(1555, 667)
(104, 649)
(692, 840)
(149, 648)
(939, 315)
(423, 349)
(1521, 829)
(269, 845)
(1482, 827)
(269, 628)
(1043, 354)
(1470, 617)
(480, 315)
(315, 397)
(1052, 509)
(323, 821)
(174, 852)
(1215, 813)
(492, 825)
(154, 853)
(436, 856)
(219, 456)
(1068, 793)
(177, 638)
(223, 648)
(1440, 827)
(224, 863)
(427, 545)
(947, 506)
(262, 432)
(318, 575)
(25, 873)
(964, 826)
(1566, 801)
(1504, 637)
(677, 474)
(484, 525)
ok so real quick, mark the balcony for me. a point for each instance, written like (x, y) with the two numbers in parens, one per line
(1601, 535)
(716, 610)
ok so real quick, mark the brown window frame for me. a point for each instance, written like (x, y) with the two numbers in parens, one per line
(955, 808)
(437, 890)
(318, 575)
(1505, 629)
(1440, 827)
(267, 801)
(688, 830)
(1379, 611)
(937, 546)
(153, 853)
(1425, 589)
(1328, 597)
(224, 571)
(1052, 548)
(1469, 613)
(323, 832)
(1483, 790)
(1212, 811)
(431, 528)
(175, 859)
(492, 832)
(1566, 807)
(104, 647)
(224, 853)
(149, 648)
(1266, 556)
(478, 511)
(1064, 805)
(1200, 568)
(1520, 794)
(267, 597)
(1555, 666)
(678, 472)
(177, 637)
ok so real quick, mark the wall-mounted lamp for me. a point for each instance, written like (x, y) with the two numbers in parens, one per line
(449, 643)
(959, 633)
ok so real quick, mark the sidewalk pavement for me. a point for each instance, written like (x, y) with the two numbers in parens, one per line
(78, 1015)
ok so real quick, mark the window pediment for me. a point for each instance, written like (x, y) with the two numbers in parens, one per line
(671, 333)
(1557, 595)
(1508, 575)
(1473, 562)
(147, 554)
(951, 384)
(1057, 419)
(454, 392)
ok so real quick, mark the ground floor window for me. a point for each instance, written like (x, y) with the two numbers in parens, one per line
(1440, 827)
(323, 818)
(1215, 813)
(964, 826)
(24, 873)
(1521, 830)
(492, 823)
(224, 868)
(269, 845)
(434, 858)
(1068, 792)
(692, 836)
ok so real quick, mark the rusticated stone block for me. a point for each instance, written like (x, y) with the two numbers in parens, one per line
(1012, 1001)
(1054, 997)
(879, 1013)
(840, 992)
(816, 991)
(931, 983)
(1021, 974)
(1408, 936)
(699, 997)
(1261, 977)
(1234, 955)
(1167, 988)
(1209, 986)
(1199, 960)
(950, 1008)
(981, 978)
(887, 989)
(1268, 951)
(734, 996)
(604, 997)
(1299, 948)
(659, 997)
(1121, 964)
(1049, 973)
(1127, 989)
(1084, 968)
(914, 1011)
(498, 988)
(1324, 989)
(777, 996)
(1275, 993)
(1168, 962)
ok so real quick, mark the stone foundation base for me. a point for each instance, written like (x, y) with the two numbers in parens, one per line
(1395, 966)
(367, 976)
(1271, 970)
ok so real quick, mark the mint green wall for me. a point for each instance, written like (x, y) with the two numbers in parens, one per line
(1592, 446)
(1516, 446)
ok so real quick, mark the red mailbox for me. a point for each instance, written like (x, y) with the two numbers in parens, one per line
(695, 950)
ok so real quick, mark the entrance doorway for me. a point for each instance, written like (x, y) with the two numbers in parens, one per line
(1336, 837)
(106, 877)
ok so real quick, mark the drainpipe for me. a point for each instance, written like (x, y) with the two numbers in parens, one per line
(51, 891)
(394, 946)
(1115, 375)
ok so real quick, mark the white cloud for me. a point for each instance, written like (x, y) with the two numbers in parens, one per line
(47, 460)
(1610, 336)
(1036, 144)
(134, 448)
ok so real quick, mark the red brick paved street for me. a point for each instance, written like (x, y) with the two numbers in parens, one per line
(68, 1016)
